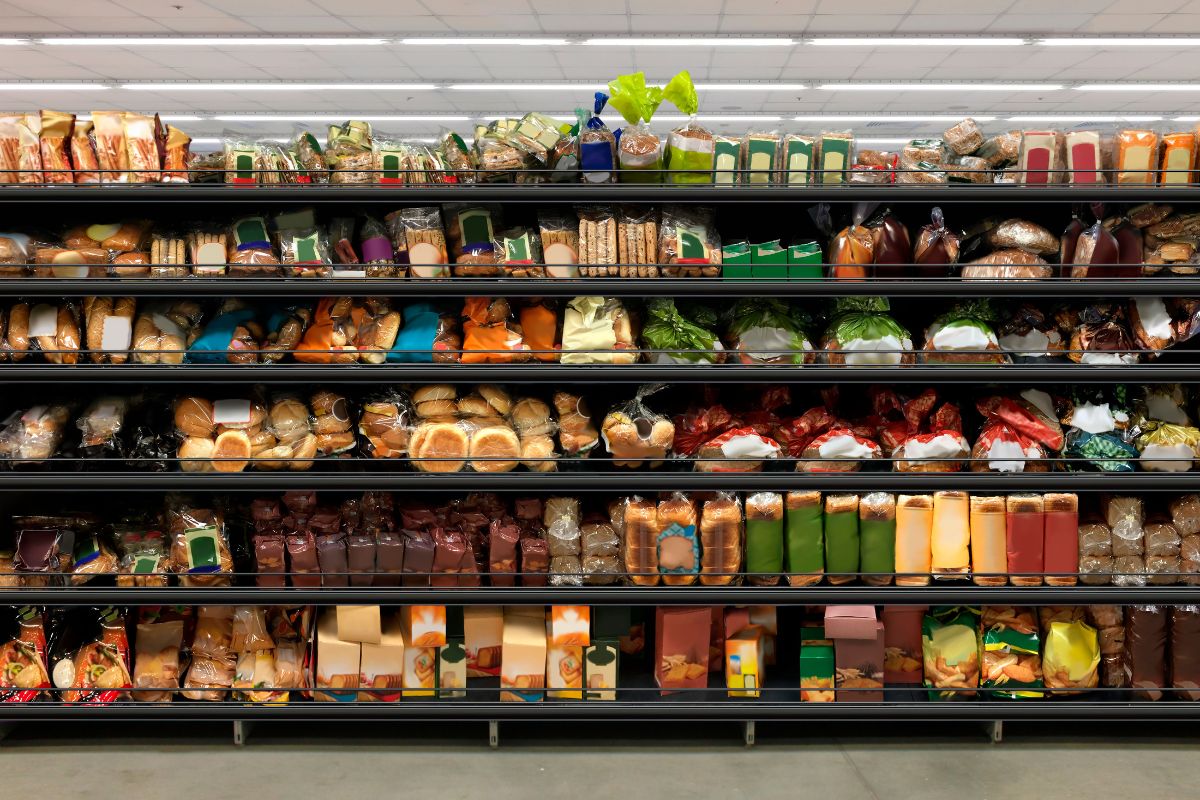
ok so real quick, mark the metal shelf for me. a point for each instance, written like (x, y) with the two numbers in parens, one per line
(609, 287)
(578, 192)
(1059, 710)
(955, 593)
(642, 480)
(561, 373)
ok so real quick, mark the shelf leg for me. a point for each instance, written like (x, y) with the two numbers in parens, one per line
(748, 732)
(493, 733)
(241, 732)
(995, 730)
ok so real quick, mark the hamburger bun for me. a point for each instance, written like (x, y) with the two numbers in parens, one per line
(303, 451)
(196, 447)
(437, 408)
(496, 397)
(495, 442)
(474, 405)
(437, 391)
(234, 444)
(440, 440)
(289, 419)
(332, 443)
(538, 447)
(531, 417)
(194, 417)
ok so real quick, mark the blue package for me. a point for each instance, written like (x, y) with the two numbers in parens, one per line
(216, 337)
(416, 334)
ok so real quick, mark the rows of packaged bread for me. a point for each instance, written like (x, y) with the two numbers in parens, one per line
(273, 655)
(592, 329)
(114, 147)
(469, 240)
(800, 538)
(443, 428)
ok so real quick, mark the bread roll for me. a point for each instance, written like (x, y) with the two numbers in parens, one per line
(496, 397)
(289, 419)
(194, 417)
(437, 408)
(496, 442)
(232, 444)
(439, 440)
(531, 417)
(196, 447)
(534, 448)
(437, 391)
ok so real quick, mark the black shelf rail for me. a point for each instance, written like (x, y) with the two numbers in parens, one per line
(609, 287)
(1060, 710)
(640, 480)
(954, 593)
(1055, 373)
(585, 193)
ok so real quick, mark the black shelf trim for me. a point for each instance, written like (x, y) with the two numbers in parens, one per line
(1059, 710)
(609, 287)
(579, 192)
(956, 593)
(561, 373)
(641, 480)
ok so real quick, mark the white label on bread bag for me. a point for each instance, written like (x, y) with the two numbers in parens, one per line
(427, 260)
(210, 258)
(43, 320)
(231, 412)
(117, 333)
(166, 325)
(561, 261)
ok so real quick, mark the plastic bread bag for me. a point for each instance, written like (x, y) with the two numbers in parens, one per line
(1012, 665)
(490, 333)
(92, 556)
(1008, 264)
(111, 153)
(29, 153)
(890, 244)
(109, 328)
(639, 151)
(577, 434)
(690, 147)
(156, 663)
(100, 426)
(678, 540)
(531, 419)
(163, 330)
(1165, 446)
(426, 335)
(689, 245)
(597, 330)
(250, 253)
(964, 138)
(349, 153)
(637, 242)
(34, 434)
(736, 450)
(425, 242)
(1137, 156)
(304, 253)
(1071, 657)
(10, 147)
(598, 242)
(597, 146)
(1026, 333)
(1177, 160)
(768, 331)
(968, 169)
(851, 251)
(440, 446)
(142, 145)
(1101, 335)
(560, 244)
(168, 256)
(761, 157)
(493, 446)
(55, 331)
(54, 137)
(633, 434)
(950, 648)
(310, 158)
(1024, 235)
(936, 246)
(457, 157)
(541, 328)
(839, 449)
(863, 332)
(330, 338)
(16, 251)
(1040, 161)
(1097, 251)
(232, 336)
(23, 653)
(284, 329)
(143, 556)
(835, 151)
(498, 157)
(90, 658)
(83, 154)
(721, 538)
(333, 422)
(965, 335)
(601, 551)
(677, 340)
(1151, 324)
(518, 251)
(200, 553)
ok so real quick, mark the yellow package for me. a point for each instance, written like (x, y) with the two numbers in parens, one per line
(1071, 656)
(950, 647)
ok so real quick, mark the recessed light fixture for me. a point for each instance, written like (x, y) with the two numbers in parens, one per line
(279, 87)
(887, 118)
(1121, 41)
(52, 87)
(208, 41)
(750, 87)
(1082, 118)
(528, 87)
(918, 41)
(940, 87)
(690, 41)
(452, 41)
(341, 117)
(1139, 87)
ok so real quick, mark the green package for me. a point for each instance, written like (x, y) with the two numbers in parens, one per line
(877, 537)
(764, 537)
(798, 154)
(816, 670)
(805, 261)
(735, 261)
(950, 651)
(835, 156)
(760, 156)
(769, 260)
(805, 538)
(841, 537)
(690, 147)
(1011, 661)
(726, 154)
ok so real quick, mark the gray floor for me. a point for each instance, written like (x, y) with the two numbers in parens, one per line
(953, 763)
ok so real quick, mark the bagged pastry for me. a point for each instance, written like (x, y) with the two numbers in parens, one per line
(689, 245)
(598, 242)
(597, 330)
(890, 245)
(637, 242)
(233, 335)
(1027, 333)
(768, 331)
(1040, 161)
(839, 449)
(1136, 157)
(964, 335)
(862, 332)
(1007, 264)
(1101, 335)
(331, 337)
(577, 434)
(349, 153)
(690, 147)
(636, 436)
(109, 325)
(721, 538)
(163, 330)
(199, 553)
(490, 332)
(1165, 446)
(426, 335)
(83, 153)
(1071, 656)
(678, 540)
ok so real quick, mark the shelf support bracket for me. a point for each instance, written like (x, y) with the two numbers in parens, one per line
(241, 732)
(995, 730)
(748, 732)
(494, 733)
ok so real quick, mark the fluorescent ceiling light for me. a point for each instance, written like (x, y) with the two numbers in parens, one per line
(52, 87)
(918, 41)
(279, 87)
(940, 87)
(1082, 118)
(1192, 118)
(750, 87)
(886, 118)
(528, 87)
(1121, 41)
(1139, 87)
(341, 117)
(13, 41)
(209, 41)
(180, 117)
(691, 41)
(497, 40)
(718, 118)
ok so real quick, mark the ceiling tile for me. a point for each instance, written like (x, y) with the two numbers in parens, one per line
(1145, 6)
(593, 7)
(1058, 7)
(478, 8)
(523, 23)
(956, 8)
(209, 25)
(673, 7)
(304, 25)
(669, 23)
(133, 26)
(1039, 23)
(779, 25)
(391, 25)
(62, 9)
(373, 8)
(1122, 23)
(168, 8)
(1178, 23)
(854, 24)
(873, 8)
(945, 23)
(268, 8)
(32, 25)
(584, 23)
(771, 8)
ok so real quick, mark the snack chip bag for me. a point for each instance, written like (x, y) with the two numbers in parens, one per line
(1071, 657)
(950, 644)
(1011, 663)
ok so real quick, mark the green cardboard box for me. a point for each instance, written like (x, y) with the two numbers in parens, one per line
(601, 660)
(736, 261)
(816, 670)
(727, 152)
(805, 261)
(798, 160)
(768, 260)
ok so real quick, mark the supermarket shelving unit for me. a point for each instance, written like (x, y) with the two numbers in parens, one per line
(201, 199)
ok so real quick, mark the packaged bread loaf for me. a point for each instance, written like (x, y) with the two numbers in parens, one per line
(54, 329)
(761, 157)
(425, 242)
(637, 242)
(200, 553)
(842, 541)
(877, 537)
(721, 540)
(634, 435)
(597, 146)
(491, 334)
(597, 330)
(331, 336)
(678, 540)
(577, 434)
(688, 243)
(598, 247)
(804, 540)
(34, 434)
(1137, 153)
(764, 538)
(1040, 160)
(560, 244)
(333, 422)
(163, 331)
(641, 541)
(109, 324)
(83, 153)
(964, 138)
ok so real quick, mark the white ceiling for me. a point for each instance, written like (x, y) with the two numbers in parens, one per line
(394, 62)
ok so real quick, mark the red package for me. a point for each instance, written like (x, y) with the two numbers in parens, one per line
(697, 426)
(1023, 417)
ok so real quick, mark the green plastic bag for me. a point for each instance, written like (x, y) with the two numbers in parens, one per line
(671, 334)
(765, 330)
(639, 151)
(690, 147)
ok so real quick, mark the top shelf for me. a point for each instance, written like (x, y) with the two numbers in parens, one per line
(585, 193)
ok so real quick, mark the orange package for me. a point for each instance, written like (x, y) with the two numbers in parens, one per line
(539, 326)
(330, 337)
(850, 253)
(1136, 156)
(1178, 158)
(489, 335)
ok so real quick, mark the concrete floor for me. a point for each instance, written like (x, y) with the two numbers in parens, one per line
(848, 764)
